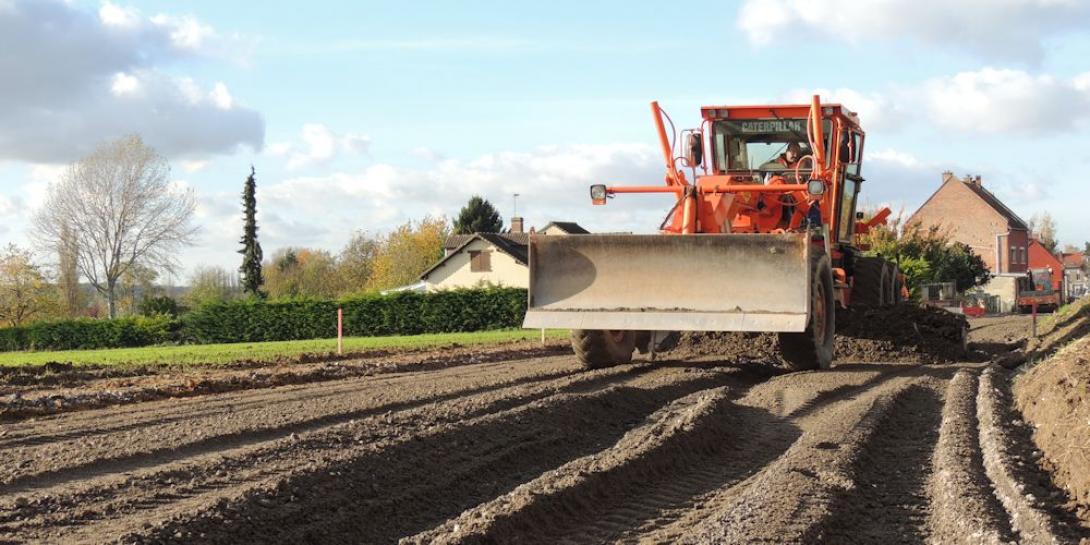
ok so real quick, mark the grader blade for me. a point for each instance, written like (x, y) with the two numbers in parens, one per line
(732, 282)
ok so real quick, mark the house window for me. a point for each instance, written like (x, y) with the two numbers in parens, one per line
(480, 261)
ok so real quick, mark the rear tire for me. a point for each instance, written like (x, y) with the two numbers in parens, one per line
(870, 282)
(813, 348)
(597, 348)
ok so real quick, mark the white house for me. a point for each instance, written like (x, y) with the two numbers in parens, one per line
(489, 258)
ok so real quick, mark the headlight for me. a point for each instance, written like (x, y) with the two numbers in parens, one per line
(815, 187)
(598, 193)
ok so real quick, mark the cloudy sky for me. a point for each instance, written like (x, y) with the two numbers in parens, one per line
(360, 115)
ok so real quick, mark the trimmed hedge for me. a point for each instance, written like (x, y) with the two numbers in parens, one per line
(86, 333)
(251, 320)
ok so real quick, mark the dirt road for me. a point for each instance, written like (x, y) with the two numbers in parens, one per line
(531, 449)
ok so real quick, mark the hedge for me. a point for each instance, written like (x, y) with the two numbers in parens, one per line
(252, 320)
(89, 334)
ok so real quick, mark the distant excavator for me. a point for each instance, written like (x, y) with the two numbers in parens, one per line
(761, 239)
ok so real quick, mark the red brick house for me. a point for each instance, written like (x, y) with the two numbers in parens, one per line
(1041, 258)
(971, 214)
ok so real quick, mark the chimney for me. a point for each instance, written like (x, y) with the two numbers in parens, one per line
(976, 180)
(946, 175)
(516, 224)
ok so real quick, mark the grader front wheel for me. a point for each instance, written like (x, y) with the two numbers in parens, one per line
(813, 348)
(596, 348)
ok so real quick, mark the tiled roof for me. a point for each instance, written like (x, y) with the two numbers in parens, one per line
(1074, 259)
(1013, 221)
(569, 227)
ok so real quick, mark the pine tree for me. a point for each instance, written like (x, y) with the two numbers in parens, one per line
(478, 216)
(251, 248)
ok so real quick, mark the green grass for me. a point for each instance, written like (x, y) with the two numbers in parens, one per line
(267, 351)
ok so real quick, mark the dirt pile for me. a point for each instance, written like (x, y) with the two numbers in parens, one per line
(899, 334)
(1054, 396)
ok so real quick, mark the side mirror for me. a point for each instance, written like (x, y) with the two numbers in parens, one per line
(694, 151)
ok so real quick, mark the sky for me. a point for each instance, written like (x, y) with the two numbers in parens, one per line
(361, 115)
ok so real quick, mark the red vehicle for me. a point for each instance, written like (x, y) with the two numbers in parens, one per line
(1035, 289)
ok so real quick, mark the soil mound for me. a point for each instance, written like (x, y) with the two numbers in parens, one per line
(898, 334)
(1053, 396)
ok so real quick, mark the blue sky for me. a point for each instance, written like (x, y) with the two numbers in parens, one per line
(361, 115)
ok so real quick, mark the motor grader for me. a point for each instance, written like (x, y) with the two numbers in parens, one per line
(759, 239)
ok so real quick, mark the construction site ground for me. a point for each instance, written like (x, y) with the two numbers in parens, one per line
(712, 443)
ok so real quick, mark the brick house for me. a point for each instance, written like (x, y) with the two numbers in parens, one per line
(1041, 258)
(972, 215)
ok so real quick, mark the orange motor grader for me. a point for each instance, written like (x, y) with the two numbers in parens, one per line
(760, 239)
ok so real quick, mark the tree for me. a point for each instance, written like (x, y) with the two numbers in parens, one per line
(357, 261)
(251, 248)
(121, 210)
(408, 251)
(24, 292)
(1043, 229)
(478, 216)
(927, 255)
(211, 285)
(161, 305)
(302, 272)
(73, 300)
(137, 283)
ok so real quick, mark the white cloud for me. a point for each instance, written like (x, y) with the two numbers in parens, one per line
(996, 29)
(73, 78)
(985, 101)
(993, 100)
(320, 144)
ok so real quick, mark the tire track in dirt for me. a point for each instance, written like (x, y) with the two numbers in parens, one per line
(1023, 491)
(965, 510)
(196, 484)
(653, 486)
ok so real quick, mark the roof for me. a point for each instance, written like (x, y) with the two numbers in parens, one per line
(1013, 221)
(569, 227)
(455, 241)
(512, 244)
(1074, 260)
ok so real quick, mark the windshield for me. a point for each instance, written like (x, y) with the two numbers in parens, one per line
(761, 144)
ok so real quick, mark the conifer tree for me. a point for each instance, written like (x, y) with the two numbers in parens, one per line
(251, 249)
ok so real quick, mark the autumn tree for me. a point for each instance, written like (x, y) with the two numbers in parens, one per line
(356, 261)
(1044, 230)
(72, 298)
(927, 255)
(211, 285)
(25, 293)
(122, 211)
(252, 256)
(302, 272)
(408, 251)
(478, 216)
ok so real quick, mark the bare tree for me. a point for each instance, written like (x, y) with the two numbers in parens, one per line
(117, 209)
(1043, 229)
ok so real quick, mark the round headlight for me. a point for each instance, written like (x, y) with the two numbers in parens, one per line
(598, 192)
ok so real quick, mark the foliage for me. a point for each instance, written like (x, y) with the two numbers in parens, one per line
(211, 285)
(161, 305)
(24, 293)
(356, 262)
(302, 272)
(252, 255)
(927, 255)
(86, 333)
(478, 216)
(268, 351)
(72, 298)
(116, 209)
(1043, 229)
(407, 252)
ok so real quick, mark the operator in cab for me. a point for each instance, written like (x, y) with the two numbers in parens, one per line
(789, 159)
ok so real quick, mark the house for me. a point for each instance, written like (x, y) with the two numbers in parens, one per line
(489, 258)
(1041, 258)
(972, 215)
(1076, 280)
